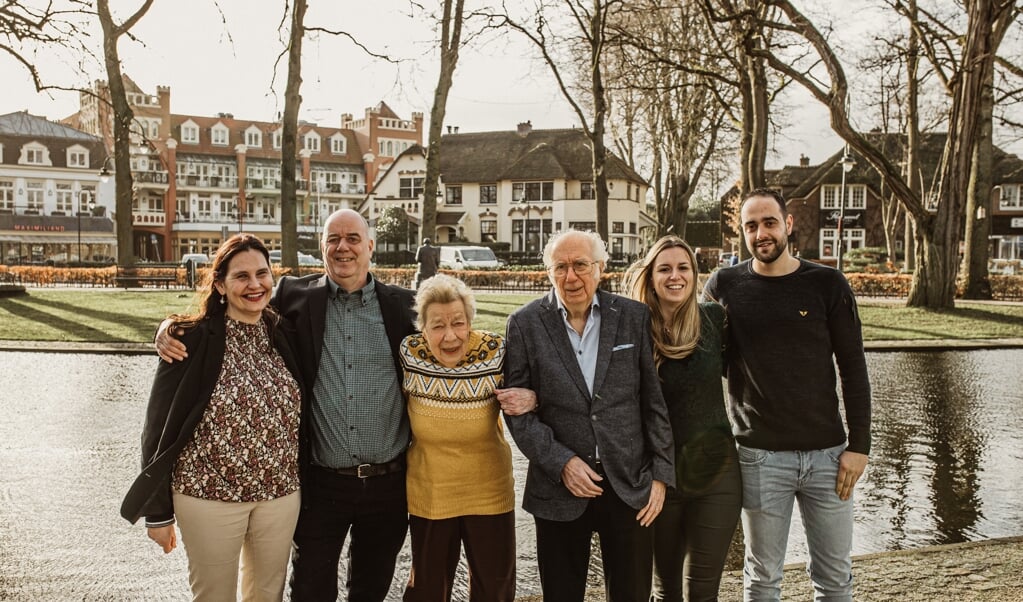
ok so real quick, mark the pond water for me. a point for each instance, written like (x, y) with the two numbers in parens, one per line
(945, 468)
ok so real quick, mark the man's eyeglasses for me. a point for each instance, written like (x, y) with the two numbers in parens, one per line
(580, 267)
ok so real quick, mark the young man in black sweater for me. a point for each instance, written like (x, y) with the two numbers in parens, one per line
(789, 322)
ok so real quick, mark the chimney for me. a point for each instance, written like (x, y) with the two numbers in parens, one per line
(449, 129)
(525, 128)
(456, 129)
(804, 161)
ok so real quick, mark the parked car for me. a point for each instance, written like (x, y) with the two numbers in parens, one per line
(303, 258)
(468, 258)
(195, 259)
(727, 259)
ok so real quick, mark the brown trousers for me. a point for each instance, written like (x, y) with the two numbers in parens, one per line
(489, 552)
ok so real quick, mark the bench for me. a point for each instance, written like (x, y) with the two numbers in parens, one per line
(140, 281)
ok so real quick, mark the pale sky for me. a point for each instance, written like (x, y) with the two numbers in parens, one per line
(217, 63)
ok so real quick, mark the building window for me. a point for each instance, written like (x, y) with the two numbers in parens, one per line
(488, 194)
(488, 230)
(409, 188)
(532, 191)
(220, 135)
(586, 190)
(190, 133)
(65, 197)
(1010, 197)
(855, 196)
(253, 138)
(854, 239)
(337, 145)
(77, 158)
(632, 227)
(618, 227)
(312, 142)
(277, 139)
(583, 226)
(7, 195)
(35, 155)
(34, 193)
(453, 195)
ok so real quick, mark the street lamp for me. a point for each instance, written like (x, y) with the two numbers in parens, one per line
(847, 162)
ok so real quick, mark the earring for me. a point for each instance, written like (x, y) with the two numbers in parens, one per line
(223, 300)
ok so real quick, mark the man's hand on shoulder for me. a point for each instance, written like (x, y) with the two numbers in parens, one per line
(168, 347)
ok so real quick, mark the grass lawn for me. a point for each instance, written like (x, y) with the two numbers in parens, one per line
(132, 316)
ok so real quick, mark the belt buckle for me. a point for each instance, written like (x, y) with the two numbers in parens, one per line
(358, 470)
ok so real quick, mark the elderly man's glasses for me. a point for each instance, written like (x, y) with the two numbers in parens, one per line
(580, 267)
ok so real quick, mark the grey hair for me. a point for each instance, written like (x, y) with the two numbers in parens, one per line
(597, 247)
(443, 289)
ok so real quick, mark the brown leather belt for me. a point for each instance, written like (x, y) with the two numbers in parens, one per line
(364, 471)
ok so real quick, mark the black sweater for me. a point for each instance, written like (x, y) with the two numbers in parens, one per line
(785, 335)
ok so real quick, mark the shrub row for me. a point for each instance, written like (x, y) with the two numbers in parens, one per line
(863, 284)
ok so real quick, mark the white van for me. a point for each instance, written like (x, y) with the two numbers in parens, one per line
(467, 258)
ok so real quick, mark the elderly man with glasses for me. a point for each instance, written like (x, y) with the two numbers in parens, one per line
(599, 443)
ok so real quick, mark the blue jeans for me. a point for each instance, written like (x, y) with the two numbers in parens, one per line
(771, 481)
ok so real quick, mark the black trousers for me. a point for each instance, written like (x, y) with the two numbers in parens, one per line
(693, 532)
(563, 552)
(374, 509)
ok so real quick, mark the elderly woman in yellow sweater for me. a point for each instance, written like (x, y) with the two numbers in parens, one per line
(460, 486)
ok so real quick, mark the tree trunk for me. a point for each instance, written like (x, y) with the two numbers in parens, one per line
(599, 117)
(978, 200)
(123, 118)
(450, 43)
(289, 139)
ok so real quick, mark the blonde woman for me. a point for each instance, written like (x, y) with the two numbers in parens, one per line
(693, 532)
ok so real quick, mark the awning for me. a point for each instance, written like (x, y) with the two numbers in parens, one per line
(449, 219)
(61, 238)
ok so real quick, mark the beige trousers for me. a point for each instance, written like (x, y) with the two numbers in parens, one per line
(216, 534)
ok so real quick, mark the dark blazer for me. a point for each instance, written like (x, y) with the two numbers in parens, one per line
(302, 302)
(181, 391)
(626, 416)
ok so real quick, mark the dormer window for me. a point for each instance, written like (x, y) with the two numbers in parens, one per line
(277, 139)
(190, 132)
(337, 144)
(253, 137)
(34, 153)
(77, 156)
(219, 134)
(312, 142)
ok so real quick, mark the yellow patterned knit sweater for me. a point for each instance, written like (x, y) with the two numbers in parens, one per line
(459, 463)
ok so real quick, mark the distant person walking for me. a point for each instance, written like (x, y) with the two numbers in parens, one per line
(428, 258)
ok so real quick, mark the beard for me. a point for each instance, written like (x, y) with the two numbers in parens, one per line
(769, 254)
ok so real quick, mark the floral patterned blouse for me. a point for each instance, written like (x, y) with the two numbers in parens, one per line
(245, 447)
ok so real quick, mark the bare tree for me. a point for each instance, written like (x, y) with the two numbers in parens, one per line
(938, 233)
(561, 49)
(666, 93)
(450, 44)
(28, 26)
(289, 137)
(123, 118)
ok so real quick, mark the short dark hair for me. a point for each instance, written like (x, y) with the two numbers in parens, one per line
(768, 192)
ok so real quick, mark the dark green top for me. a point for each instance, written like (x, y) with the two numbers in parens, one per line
(694, 392)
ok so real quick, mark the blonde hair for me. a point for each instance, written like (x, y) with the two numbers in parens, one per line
(679, 338)
(443, 289)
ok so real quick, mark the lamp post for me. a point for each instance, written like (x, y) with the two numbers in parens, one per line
(847, 163)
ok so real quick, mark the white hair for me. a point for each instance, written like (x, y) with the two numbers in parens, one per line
(598, 248)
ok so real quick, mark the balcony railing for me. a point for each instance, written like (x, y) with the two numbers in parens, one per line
(223, 218)
(208, 181)
(148, 218)
(332, 187)
(150, 177)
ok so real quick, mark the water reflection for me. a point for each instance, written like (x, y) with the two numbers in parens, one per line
(944, 468)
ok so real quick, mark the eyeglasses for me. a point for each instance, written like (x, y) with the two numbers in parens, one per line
(580, 267)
